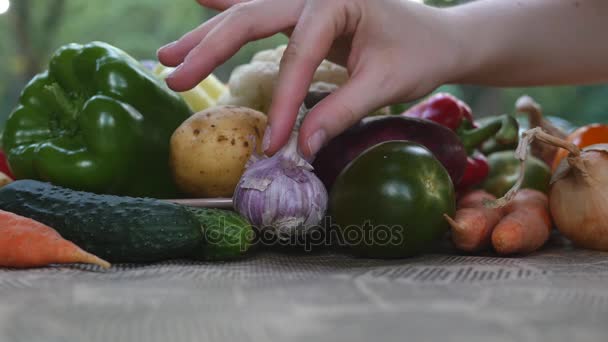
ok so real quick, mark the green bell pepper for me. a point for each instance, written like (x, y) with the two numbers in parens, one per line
(493, 145)
(96, 121)
(504, 172)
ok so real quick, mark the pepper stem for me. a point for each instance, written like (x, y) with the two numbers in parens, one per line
(63, 101)
(503, 128)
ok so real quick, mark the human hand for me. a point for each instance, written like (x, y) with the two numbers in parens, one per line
(394, 50)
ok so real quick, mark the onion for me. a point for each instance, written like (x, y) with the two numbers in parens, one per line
(281, 193)
(578, 194)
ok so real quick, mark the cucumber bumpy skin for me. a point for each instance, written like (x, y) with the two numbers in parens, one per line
(227, 234)
(118, 229)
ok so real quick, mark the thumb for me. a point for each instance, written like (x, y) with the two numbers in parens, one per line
(339, 111)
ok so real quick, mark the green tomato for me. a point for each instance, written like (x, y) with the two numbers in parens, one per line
(389, 202)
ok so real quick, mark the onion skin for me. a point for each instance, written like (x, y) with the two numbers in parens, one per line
(440, 140)
(578, 198)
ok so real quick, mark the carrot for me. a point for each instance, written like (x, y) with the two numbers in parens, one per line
(26, 243)
(473, 223)
(475, 199)
(526, 226)
(526, 196)
(521, 232)
(521, 227)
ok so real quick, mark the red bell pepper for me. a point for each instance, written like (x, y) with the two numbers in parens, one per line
(442, 108)
(453, 113)
(4, 168)
(477, 170)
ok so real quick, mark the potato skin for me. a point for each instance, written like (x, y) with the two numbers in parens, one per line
(210, 149)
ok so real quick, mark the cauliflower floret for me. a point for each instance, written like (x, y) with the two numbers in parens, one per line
(251, 85)
(323, 87)
(272, 55)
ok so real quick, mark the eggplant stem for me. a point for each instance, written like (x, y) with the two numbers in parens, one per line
(62, 99)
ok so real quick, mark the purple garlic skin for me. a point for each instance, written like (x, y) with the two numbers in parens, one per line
(281, 193)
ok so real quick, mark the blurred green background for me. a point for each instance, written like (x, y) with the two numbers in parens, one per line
(32, 29)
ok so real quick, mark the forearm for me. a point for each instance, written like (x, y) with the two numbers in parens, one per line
(532, 42)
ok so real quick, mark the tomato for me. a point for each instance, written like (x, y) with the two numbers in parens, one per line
(583, 137)
(389, 202)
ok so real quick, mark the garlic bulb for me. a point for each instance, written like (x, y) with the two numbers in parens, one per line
(281, 193)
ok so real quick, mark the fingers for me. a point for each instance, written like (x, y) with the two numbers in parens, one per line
(241, 24)
(308, 46)
(220, 5)
(173, 54)
(339, 111)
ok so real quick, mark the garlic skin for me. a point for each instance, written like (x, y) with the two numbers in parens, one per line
(281, 193)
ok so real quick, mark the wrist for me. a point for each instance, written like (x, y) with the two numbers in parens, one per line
(468, 52)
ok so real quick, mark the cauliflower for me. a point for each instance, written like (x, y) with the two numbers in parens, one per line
(251, 85)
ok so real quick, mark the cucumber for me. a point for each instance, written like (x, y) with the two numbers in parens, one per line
(118, 229)
(227, 234)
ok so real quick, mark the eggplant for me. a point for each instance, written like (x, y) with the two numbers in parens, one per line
(314, 97)
(440, 140)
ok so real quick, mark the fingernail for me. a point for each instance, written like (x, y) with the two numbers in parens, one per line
(266, 139)
(316, 141)
(167, 46)
(175, 71)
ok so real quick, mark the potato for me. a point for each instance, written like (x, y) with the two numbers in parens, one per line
(210, 149)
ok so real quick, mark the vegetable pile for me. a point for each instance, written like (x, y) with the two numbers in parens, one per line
(99, 151)
(578, 189)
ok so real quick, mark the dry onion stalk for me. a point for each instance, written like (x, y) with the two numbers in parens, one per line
(533, 110)
(578, 193)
